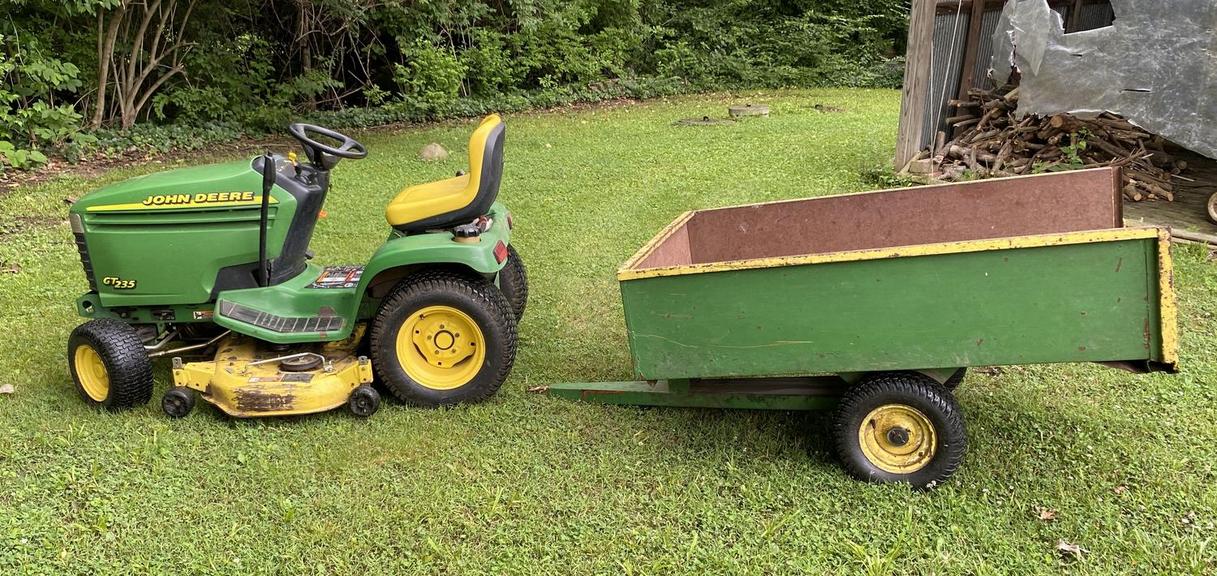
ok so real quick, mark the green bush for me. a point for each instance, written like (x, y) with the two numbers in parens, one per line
(30, 118)
(431, 76)
(253, 66)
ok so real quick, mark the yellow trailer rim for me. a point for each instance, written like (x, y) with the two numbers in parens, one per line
(91, 373)
(441, 347)
(897, 438)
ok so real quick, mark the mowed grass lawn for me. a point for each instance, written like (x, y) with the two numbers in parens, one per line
(1118, 464)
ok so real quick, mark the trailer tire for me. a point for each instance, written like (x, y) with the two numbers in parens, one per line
(900, 427)
(109, 365)
(513, 282)
(443, 338)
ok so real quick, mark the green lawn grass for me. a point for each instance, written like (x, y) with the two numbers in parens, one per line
(533, 485)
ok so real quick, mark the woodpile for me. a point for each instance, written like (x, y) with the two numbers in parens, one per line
(990, 140)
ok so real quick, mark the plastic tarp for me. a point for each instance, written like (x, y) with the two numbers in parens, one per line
(1156, 65)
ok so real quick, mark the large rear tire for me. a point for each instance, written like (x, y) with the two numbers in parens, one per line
(513, 282)
(442, 338)
(109, 365)
(900, 427)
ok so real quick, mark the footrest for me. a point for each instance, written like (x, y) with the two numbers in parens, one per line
(281, 324)
(318, 305)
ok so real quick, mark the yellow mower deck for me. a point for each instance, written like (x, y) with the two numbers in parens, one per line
(243, 390)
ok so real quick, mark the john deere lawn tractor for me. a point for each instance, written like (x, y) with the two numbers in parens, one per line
(210, 267)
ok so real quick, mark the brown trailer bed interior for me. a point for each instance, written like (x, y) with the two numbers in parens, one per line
(1019, 206)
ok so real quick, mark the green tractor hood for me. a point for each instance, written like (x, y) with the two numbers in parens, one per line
(180, 188)
(165, 239)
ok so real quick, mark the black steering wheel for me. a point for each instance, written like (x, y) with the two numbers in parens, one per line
(322, 154)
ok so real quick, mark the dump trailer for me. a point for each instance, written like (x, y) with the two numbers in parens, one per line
(876, 303)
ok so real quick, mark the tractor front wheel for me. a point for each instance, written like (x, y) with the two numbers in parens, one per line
(109, 365)
(442, 338)
(900, 427)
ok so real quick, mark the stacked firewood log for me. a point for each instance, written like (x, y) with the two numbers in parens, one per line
(990, 140)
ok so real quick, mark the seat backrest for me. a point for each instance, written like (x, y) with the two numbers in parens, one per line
(438, 204)
(486, 163)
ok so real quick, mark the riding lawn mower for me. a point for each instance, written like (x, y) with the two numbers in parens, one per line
(210, 266)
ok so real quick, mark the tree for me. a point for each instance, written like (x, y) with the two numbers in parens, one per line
(140, 45)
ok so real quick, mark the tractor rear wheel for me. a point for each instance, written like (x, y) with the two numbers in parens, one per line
(513, 282)
(109, 365)
(900, 427)
(442, 338)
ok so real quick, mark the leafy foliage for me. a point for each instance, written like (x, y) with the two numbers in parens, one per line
(255, 65)
(30, 117)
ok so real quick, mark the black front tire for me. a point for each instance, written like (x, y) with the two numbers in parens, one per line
(124, 366)
(476, 298)
(900, 427)
(513, 282)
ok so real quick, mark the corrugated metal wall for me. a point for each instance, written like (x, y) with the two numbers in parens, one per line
(1096, 16)
(950, 38)
(984, 50)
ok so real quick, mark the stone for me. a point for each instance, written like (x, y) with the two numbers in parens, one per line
(433, 152)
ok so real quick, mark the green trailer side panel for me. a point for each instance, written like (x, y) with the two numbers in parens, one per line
(1081, 302)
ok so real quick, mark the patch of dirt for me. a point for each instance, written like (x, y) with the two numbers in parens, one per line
(21, 224)
(96, 166)
(703, 121)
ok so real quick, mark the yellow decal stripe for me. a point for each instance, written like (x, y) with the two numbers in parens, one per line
(1085, 237)
(133, 206)
(1169, 315)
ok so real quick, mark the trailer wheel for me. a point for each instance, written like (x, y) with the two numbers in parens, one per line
(441, 338)
(109, 365)
(1212, 207)
(513, 282)
(900, 427)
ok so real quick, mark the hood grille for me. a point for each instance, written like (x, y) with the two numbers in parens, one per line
(78, 234)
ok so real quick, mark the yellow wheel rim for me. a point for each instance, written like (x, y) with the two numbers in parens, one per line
(441, 347)
(898, 439)
(91, 373)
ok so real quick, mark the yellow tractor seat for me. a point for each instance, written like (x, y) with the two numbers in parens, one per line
(454, 201)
